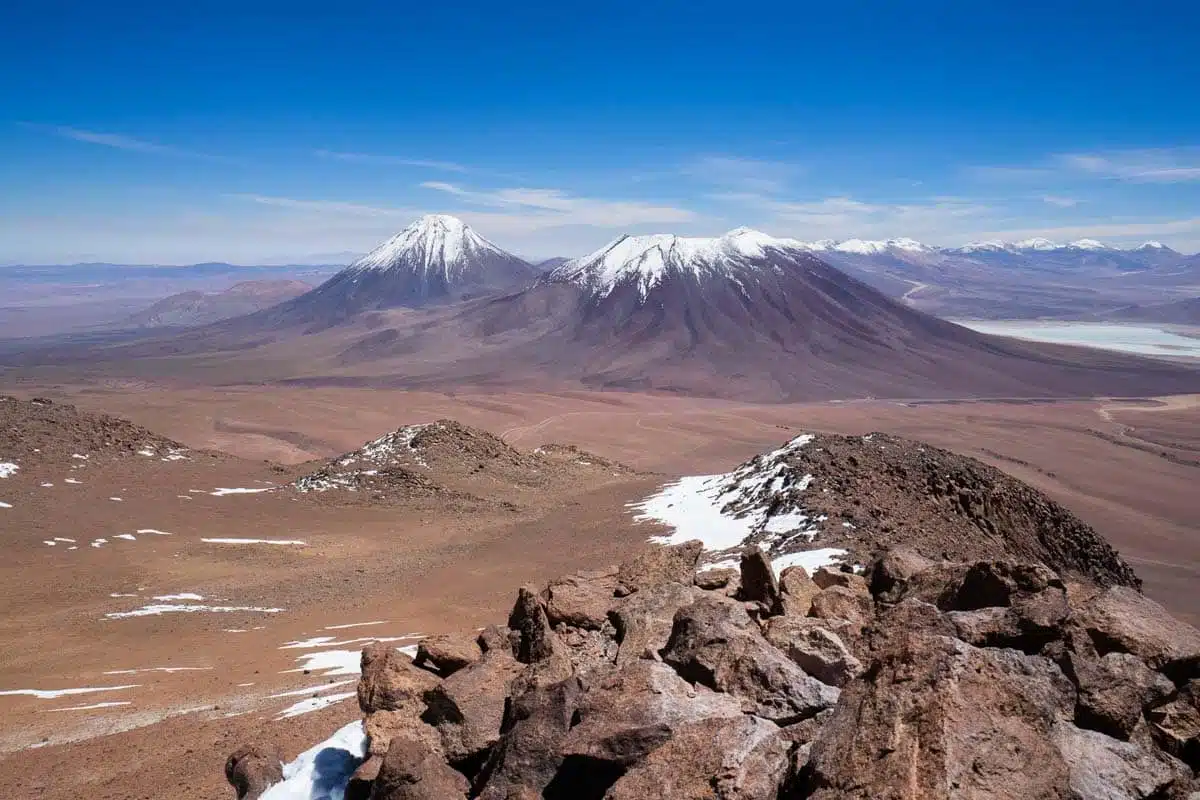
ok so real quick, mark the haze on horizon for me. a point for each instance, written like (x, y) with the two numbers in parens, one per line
(222, 133)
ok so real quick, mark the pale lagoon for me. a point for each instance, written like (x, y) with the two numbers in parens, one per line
(1142, 339)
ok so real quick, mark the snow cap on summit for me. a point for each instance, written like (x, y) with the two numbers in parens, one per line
(434, 242)
(646, 260)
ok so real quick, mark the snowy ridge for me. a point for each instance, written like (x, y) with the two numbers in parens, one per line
(759, 503)
(647, 260)
(866, 247)
(435, 243)
(395, 449)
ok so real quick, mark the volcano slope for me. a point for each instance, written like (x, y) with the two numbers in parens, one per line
(744, 316)
(879, 670)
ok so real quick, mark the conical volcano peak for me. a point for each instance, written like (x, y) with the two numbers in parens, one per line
(433, 241)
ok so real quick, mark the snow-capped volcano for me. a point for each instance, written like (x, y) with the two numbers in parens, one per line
(647, 261)
(437, 258)
(435, 243)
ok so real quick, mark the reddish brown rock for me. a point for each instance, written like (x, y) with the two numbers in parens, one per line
(814, 648)
(468, 707)
(713, 579)
(528, 754)
(840, 603)
(1114, 691)
(389, 680)
(252, 768)
(535, 640)
(798, 591)
(826, 577)
(1121, 620)
(715, 644)
(715, 759)
(655, 565)
(758, 581)
(448, 653)
(1175, 725)
(643, 620)
(411, 771)
(580, 602)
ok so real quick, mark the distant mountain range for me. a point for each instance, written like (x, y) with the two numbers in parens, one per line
(744, 315)
(189, 309)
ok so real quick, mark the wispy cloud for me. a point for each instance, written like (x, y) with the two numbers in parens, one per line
(737, 173)
(398, 161)
(119, 141)
(1155, 165)
(1168, 165)
(325, 206)
(533, 208)
(1059, 201)
(1101, 229)
(843, 217)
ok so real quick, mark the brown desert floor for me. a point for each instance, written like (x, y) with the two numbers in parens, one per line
(1127, 468)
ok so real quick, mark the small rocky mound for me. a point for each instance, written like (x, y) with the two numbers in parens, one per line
(852, 497)
(924, 679)
(44, 432)
(448, 458)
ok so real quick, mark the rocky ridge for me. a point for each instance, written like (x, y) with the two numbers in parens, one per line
(42, 431)
(849, 498)
(923, 678)
(449, 459)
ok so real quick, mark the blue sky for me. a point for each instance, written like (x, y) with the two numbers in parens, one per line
(257, 131)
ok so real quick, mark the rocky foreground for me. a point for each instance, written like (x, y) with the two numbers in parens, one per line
(918, 679)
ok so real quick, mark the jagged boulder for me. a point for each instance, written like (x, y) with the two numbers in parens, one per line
(412, 771)
(582, 600)
(759, 584)
(713, 579)
(797, 590)
(631, 712)
(814, 648)
(721, 758)
(655, 565)
(448, 653)
(1114, 691)
(715, 644)
(529, 752)
(1175, 725)
(1122, 620)
(825, 577)
(535, 639)
(252, 768)
(891, 574)
(467, 708)
(390, 681)
(643, 621)
(940, 718)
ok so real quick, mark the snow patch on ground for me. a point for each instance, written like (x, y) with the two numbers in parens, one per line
(153, 532)
(353, 625)
(156, 669)
(314, 704)
(181, 596)
(8, 469)
(253, 541)
(221, 491)
(112, 704)
(757, 503)
(322, 771)
(51, 694)
(5, 505)
(311, 690)
(154, 610)
(127, 536)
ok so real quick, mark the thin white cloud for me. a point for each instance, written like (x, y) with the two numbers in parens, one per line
(1152, 165)
(325, 206)
(1104, 229)
(399, 161)
(738, 173)
(1164, 165)
(1059, 200)
(120, 141)
(532, 208)
(846, 217)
